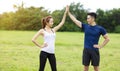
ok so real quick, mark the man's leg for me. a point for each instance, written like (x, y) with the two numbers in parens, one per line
(86, 59)
(96, 68)
(95, 60)
(86, 68)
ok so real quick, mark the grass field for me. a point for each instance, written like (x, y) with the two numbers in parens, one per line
(18, 53)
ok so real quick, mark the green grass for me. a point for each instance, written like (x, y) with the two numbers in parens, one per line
(18, 53)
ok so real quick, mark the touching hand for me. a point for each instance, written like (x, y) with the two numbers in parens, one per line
(67, 8)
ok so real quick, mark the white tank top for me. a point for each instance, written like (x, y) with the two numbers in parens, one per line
(49, 38)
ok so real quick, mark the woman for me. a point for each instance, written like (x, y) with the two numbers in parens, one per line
(48, 47)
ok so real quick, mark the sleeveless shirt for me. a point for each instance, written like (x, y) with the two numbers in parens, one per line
(49, 38)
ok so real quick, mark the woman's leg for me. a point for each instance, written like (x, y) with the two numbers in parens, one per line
(43, 59)
(52, 61)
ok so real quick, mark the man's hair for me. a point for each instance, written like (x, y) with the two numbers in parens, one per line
(92, 14)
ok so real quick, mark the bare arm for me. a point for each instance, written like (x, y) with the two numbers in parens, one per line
(61, 23)
(106, 40)
(40, 32)
(77, 22)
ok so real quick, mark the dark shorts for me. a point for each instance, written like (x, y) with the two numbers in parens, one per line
(91, 55)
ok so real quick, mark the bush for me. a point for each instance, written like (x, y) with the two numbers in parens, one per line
(117, 29)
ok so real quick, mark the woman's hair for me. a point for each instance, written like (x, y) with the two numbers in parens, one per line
(45, 21)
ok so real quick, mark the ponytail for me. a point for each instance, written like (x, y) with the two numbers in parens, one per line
(45, 21)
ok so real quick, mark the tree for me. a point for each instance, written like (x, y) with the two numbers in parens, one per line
(77, 10)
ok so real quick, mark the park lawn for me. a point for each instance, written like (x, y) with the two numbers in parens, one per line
(18, 53)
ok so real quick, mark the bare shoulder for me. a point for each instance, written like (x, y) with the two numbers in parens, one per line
(53, 30)
(41, 31)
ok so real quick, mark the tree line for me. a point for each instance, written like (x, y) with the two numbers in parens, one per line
(30, 18)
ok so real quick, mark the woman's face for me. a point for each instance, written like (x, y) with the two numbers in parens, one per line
(50, 23)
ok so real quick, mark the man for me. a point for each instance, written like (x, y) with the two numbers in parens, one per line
(92, 33)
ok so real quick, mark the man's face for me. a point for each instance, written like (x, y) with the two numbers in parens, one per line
(90, 19)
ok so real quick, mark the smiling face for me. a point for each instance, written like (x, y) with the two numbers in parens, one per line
(50, 23)
(90, 19)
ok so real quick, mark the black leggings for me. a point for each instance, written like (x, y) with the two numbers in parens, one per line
(43, 59)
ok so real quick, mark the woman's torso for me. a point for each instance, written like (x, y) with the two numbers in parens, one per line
(49, 38)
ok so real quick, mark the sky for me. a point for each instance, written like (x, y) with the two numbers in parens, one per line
(51, 5)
